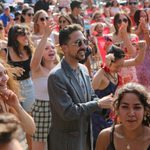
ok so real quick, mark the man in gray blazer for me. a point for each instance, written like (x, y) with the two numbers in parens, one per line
(72, 99)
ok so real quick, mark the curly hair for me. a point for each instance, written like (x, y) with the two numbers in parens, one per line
(143, 95)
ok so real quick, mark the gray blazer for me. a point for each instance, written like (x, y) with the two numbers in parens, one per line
(71, 123)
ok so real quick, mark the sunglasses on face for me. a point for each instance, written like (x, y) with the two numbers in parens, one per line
(132, 3)
(62, 21)
(123, 20)
(30, 14)
(44, 19)
(79, 42)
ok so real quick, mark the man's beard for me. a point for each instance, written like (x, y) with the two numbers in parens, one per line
(80, 55)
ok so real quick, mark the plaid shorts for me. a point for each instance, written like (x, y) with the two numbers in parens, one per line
(42, 117)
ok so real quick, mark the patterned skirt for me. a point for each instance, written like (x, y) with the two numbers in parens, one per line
(42, 116)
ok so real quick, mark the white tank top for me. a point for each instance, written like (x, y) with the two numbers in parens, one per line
(41, 89)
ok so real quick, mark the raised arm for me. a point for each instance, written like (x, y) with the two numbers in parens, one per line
(140, 56)
(37, 57)
(126, 40)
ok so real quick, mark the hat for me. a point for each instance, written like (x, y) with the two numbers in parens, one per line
(74, 4)
(6, 6)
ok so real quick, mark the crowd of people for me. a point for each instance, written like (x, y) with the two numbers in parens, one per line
(74, 75)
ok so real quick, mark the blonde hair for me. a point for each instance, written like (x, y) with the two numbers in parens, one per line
(35, 20)
(12, 83)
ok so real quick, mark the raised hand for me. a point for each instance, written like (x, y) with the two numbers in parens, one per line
(10, 98)
(49, 28)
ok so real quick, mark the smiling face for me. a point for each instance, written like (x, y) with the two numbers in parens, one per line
(3, 78)
(22, 38)
(29, 15)
(63, 22)
(131, 111)
(42, 19)
(76, 46)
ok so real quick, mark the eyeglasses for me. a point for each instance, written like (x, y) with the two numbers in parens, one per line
(79, 42)
(62, 21)
(123, 20)
(44, 19)
(30, 14)
(132, 3)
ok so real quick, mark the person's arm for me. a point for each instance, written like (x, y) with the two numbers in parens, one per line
(140, 56)
(37, 57)
(103, 139)
(65, 104)
(27, 122)
(97, 79)
(126, 39)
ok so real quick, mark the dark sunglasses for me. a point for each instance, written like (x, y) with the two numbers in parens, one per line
(123, 20)
(132, 3)
(62, 21)
(1, 27)
(79, 42)
(30, 14)
(44, 18)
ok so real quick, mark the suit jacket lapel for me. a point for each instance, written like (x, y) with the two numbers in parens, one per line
(87, 86)
(73, 81)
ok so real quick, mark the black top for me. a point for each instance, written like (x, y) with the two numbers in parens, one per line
(25, 64)
(111, 145)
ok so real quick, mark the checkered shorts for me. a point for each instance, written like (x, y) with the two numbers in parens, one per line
(42, 117)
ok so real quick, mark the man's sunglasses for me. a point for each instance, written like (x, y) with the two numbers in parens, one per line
(79, 42)
(123, 20)
(30, 14)
(44, 19)
(132, 3)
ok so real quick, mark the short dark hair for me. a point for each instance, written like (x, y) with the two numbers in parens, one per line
(64, 34)
(117, 52)
(75, 4)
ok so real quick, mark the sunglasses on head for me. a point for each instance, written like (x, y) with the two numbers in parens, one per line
(30, 14)
(62, 21)
(132, 3)
(44, 18)
(123, 20)
(79, 42)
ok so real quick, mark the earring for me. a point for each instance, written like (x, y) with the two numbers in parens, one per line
(145, 118)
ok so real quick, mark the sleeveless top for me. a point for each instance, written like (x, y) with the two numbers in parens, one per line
(40, 87)
(111, 145)
(25, 64)
(101, 119)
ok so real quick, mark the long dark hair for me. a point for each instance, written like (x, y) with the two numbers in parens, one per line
(137, 16)
(116, 19)
(12, 40)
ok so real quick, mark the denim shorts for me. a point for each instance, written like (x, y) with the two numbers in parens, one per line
(27, 93)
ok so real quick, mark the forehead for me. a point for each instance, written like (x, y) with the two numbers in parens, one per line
(43, 15)
(76, 35)
(122, 16)
(130, 98)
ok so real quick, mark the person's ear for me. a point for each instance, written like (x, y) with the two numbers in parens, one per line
(64, 48)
